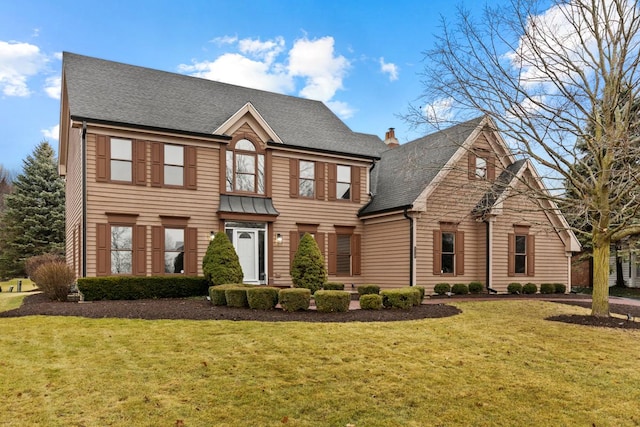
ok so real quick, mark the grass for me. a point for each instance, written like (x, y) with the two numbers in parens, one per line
(616, 291)
(498, 363)
(27, 285)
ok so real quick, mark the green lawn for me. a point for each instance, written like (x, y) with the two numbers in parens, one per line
(616, 291)
(497, 364)
(27, 285)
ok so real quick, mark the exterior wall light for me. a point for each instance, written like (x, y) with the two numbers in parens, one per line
(279, 239)
(212, 235)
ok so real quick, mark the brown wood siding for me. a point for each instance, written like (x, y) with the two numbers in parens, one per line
(73, 200)
(150, 202)
(385, 251)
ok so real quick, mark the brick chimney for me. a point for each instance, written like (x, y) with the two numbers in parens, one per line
(390, 138)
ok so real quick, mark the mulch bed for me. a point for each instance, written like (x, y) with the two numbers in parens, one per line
(201, 309)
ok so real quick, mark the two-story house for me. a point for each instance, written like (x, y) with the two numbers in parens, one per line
(156, 163)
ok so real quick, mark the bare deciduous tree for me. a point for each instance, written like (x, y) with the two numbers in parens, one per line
(551, 76)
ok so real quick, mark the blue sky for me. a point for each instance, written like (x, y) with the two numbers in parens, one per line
(362, 59)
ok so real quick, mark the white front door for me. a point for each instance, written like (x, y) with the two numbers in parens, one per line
(246, 244)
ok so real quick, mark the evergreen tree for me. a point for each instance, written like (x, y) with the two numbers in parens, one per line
(33, 219)
(220, 263)
(307, 269)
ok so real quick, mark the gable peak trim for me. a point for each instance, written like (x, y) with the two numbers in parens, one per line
(247, 108)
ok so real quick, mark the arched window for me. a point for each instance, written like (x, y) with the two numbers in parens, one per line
(245, 168)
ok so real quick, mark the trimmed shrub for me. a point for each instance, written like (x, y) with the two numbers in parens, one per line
(31, 264)
(460, 289)
(560, 288)
(422, 291)
(442, 288)
(236, 297)
(54, 279)
(332, 301)
(368, 289)
(530, 288)
(399, 298)
(217, 293)
(370, 302)
(294, 299)
(262, 297)
(141, 287)
(547, 288)
(220, 263)
(333, 286)
(475, 287)
(514, 288)
(307, 269)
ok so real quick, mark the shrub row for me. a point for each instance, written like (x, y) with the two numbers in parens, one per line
(261, 297)
(532, 288)
(143, 287)
(458, 288)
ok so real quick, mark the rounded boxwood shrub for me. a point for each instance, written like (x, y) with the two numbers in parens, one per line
(220, 263)
(236, 297)
(399, 298)
(442, 288)
(333, 286)
(368, 289)
(514, 288)
(560, 288)
(217, 293)
(262, 297)
(370, 302)
(460, 289)
(475, 287)
(294, 299)
(332, 301)
(530, 288)
(547, 288)
(307, 269)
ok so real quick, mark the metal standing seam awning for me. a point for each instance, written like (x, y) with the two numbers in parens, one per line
(232, 205)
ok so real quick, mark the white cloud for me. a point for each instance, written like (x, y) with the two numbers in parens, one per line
(52, 86)
(262, 65)
(389, 68)
(315, 61)
(439, 111)
(18, 62)
(52, 133)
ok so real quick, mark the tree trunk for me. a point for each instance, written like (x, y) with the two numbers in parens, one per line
(600, 303)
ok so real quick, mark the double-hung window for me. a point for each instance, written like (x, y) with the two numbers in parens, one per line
(121, 161)
(306, 183)
(343, 182)
(448, 250)
(521, 252)
(174, 250)
(173, 165)
(121, 249)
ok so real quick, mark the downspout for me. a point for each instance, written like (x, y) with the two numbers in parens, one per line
(487, 256)
(411, 245)
(83, 150)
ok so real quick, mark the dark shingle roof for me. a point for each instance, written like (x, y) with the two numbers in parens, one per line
(405, 171)
(113, 92)
(501, 184)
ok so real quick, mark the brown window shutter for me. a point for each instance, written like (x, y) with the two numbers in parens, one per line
(491, 168)
(333, 178)
(333, 253)
(437, 253)
(294, 189)
(103, 250)
(294, 238)
(157, 250)
(191, 251)
(268, 159)
(157, 164)
(102, 158)
(459, 255)
(511, 255)
(320, 242)
(140, 250)
(191, 168)
(355, 184)
(223, 170)
(356, 243)
(320, 180)
(531, 255)
(140, 162)
(472, 165)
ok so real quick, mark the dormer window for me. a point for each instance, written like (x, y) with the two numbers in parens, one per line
(245, 168)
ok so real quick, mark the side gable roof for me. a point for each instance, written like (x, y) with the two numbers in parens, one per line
(404, 172)
(112, 92)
